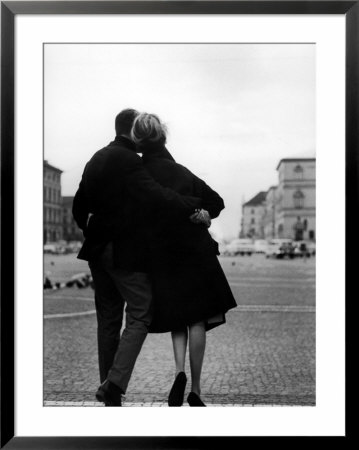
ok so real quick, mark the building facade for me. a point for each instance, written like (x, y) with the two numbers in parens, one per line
(252, 225)
(71, 231)
(295, 199)
(270, 215)
(52, 202)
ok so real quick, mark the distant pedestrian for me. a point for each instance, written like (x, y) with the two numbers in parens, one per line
(303, 250)
(47, 283)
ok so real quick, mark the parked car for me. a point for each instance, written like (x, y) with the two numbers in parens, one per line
(240, 247)
(260, 246)
(74, 246)
(311, 247)
(222, 248)
(303, 248)
(286, 250)
(50, 249)
(54, 248)
(280, 248)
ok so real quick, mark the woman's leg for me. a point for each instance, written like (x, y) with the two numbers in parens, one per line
(179, 341)
(197, 346)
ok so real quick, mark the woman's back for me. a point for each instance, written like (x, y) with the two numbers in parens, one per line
(168, 231)
(169, 173)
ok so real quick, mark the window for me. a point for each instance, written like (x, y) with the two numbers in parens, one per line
(305, 224)
(298, 171)
(252, 221)
(252, 211)
(298, 198)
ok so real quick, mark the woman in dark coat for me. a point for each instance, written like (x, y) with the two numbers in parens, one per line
(190, 291)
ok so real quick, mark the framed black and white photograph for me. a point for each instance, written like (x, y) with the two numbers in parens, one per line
(174, 187)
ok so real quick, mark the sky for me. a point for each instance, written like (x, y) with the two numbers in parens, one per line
(232, 110)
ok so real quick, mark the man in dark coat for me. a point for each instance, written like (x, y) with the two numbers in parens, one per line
(113, 181)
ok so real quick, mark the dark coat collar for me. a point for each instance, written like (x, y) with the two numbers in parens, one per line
(124, 142)
(156, 151)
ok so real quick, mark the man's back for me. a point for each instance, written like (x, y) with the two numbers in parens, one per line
(104, 189)
(103, 197)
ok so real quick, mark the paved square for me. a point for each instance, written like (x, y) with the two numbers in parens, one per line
(263, 355)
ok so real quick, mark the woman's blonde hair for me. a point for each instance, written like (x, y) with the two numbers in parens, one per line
(148, 128)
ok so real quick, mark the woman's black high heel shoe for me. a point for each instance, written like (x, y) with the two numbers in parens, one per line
(194, 400)
(176, 395)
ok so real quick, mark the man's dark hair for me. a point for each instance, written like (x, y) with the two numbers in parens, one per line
(124, 121)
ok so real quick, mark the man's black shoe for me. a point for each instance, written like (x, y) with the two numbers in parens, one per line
(109, 394)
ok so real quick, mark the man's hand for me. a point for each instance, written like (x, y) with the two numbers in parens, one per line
(201, 216)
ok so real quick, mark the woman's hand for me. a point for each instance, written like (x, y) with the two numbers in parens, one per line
(201, 216)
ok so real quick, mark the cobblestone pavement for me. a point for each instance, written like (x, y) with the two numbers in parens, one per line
(263, 355)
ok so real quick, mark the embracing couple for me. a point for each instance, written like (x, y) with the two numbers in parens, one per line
(145, 221)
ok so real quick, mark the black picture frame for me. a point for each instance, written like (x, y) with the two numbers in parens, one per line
(9, 10)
